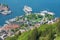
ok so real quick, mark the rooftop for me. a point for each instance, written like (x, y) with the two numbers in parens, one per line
(10, 26)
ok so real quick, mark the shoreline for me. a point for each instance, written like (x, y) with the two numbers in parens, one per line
(40, 18)
(14, 19)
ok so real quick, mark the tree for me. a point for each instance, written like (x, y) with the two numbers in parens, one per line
(33, 35)
(58, 28)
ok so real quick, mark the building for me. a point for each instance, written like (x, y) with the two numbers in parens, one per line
(50, 22)
(10, 26)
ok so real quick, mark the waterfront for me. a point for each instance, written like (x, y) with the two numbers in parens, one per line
(37, 5)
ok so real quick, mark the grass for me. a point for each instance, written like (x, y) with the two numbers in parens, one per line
(57, 38)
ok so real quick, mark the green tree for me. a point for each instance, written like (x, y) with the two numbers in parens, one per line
(58, 28)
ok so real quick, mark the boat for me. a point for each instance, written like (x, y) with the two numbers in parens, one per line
(27, 9)
(4, 9)
(5, 12)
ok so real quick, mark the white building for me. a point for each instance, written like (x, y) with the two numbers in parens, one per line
(51, 13)
(22, 30)
(50, 22)
(45, 11)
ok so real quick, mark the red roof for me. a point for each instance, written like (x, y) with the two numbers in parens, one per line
(11, 26)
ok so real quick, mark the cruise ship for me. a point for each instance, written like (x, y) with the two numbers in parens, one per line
(27, 10)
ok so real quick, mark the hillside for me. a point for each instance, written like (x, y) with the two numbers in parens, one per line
(44, 32)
